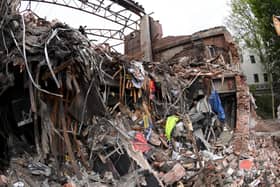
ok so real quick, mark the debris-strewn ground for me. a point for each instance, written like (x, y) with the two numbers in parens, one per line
(76, 114)
(268, 126)
(257, 166)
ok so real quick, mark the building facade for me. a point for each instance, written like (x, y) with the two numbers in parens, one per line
(258, 79)
(254, 70)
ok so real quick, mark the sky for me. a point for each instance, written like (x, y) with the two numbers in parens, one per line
(178, 17)
(181, 17)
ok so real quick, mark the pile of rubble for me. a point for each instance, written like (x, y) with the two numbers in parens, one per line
(257, 167)
(96, 118)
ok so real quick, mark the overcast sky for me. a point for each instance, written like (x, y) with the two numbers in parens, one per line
(178, 17)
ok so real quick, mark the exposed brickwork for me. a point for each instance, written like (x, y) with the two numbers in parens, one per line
(243, 115)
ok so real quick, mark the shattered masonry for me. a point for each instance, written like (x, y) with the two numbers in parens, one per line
(74, 113)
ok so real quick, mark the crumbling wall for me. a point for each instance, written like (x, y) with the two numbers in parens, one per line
(203, 44)
(197, 48)
(244, 117)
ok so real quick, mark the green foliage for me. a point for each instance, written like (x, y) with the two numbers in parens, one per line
(263, 11)
(264, 106)
(253, 88)
(252, 26)
(242, 23)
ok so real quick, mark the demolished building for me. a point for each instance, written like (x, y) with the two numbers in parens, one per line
(171, 111)
(215, 43)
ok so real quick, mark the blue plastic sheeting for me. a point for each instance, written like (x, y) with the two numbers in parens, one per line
(216, 105)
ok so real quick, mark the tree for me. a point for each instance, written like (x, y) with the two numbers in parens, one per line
(251, 23)
(244, 25)
(263, 12)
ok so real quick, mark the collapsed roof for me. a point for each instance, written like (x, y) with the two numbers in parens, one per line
(74, 112)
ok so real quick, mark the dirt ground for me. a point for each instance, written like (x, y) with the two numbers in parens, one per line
(267, 126)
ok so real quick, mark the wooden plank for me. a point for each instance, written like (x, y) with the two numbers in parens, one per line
(68, 143)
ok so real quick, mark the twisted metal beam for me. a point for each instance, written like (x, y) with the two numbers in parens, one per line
(106, 33)
(103, 9)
